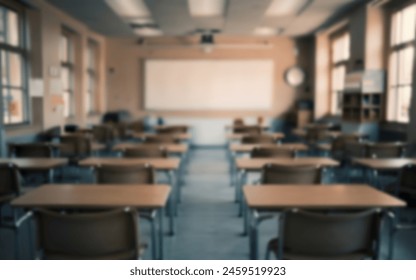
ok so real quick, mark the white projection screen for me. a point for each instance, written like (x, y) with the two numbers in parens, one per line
(208, 84)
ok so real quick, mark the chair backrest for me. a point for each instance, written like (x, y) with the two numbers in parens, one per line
(50, 133)
(10, 181)
(338, 144)
(275, 152)
(385, 150)
(77, 145)
(355, 149)
(145, 152)
(286, 174)
(125, 174)
(348, 235)
(110, 234)
(104, 133)
(316, 133)
(248, 129)
(172, 129)
(136, 126)
(258, 139)
(161, 139)
(32, 150)
(238, 122)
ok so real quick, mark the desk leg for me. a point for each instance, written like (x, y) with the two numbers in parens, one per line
(154, 237)
(241, 183)
(245, 217)
(161, 249)
(253, 236)
(173, 202)
(51, 175)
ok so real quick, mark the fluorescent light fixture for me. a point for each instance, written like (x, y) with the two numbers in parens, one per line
(285, 7)
(206, 8)
(129, 8)
(265, 31)
(141, 20)
(148, 32)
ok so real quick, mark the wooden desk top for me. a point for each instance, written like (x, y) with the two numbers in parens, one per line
(178, 136)
(318, 196)
(36, 163)
(231, 126)
(300, 132)
(95, 196)
(157, 163)
(170, 125)
(384, 163)
(170, 148)
(256, 164)
(239, 136)
(247, 148)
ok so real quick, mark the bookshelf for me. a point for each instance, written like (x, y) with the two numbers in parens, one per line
(363, 96)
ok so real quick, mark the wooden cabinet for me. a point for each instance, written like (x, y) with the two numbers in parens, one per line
(363, 96)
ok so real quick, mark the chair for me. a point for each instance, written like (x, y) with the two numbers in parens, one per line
(125, 174)
(286, 174)
(50, 134)
(312, 235)
(136, 126)
(385, 150)
(76, 146)
(258, 139)
(10, 188)
(338, 145)
(316, 134)
(104, 133)
(104, 235)
(130, 174)
(253, 129)
(146, 152)
(160, 139)
(406, 190)
(31, 150)
(272, 152)
(172, 129)
(238, 122)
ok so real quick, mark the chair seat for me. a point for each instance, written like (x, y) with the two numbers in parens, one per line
(273, 246)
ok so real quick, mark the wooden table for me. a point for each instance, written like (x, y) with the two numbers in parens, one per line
(170, 148)
(37, 164)
(238, 136)
(340, 196)
(300, 132)
(231, 127)
(169, 166)
(177, 136)
(247, 148)
(101, 196)
(384, 164)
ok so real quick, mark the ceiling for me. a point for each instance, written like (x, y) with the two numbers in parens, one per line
(241, 17)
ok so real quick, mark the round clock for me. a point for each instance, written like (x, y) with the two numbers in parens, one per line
(295, 76)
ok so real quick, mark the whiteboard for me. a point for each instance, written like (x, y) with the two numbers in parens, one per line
(208, 84)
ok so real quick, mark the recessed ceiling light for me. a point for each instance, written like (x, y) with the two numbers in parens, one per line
(265, 31)
(148, 32)
(285, 7)
(129, 8)
(206, 8)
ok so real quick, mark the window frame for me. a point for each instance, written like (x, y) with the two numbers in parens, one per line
(333, 65)
(390, 49)
(92, 73)
(70, 66)
(22, 51)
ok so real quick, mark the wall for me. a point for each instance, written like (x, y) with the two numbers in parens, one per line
(46, 23)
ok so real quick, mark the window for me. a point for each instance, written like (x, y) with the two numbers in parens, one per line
(67, 72)
(92, 77)
(400, 71)
(340, 54)
(14, 101)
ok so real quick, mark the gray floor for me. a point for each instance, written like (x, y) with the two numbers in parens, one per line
(207, 226)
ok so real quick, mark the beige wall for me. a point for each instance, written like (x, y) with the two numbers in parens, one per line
(46, 23)
(125, 80)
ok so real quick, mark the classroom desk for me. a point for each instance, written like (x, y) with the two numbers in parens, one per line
(102, 196)
(238, 136)
(339, 196)
(231, 127)
(375, 165)
(170, 148)
(37, 164)
(167, 165)
(300, 132)
(166, 126)
(245, 165)
(247, 148)
(177, 136)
